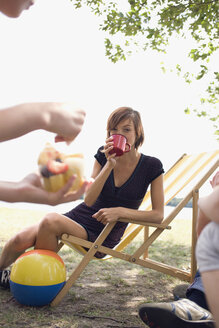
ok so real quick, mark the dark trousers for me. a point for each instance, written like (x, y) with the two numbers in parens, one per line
(196, 292)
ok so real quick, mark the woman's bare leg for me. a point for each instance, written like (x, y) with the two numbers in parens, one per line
(44, 235)
(17, 245)
(52, 227)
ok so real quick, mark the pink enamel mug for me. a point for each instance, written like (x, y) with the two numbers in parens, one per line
(120, 145)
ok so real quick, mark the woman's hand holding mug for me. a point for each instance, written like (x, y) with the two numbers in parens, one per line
(120, 145)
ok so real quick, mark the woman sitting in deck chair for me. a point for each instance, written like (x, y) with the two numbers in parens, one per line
(120, 183)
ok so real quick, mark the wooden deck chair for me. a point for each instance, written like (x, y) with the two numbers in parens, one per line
(189, 173)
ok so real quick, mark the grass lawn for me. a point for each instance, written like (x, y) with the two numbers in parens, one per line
(108, 293)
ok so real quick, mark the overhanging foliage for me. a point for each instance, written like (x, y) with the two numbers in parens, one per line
(152, 25)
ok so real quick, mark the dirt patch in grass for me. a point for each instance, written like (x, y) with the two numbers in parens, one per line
(106, 295)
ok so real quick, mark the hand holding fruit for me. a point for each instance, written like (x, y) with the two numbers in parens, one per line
(57, 168)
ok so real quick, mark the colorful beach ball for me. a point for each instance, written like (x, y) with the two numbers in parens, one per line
(36, 277)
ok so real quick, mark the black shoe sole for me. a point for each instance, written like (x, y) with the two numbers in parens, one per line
(156, 317)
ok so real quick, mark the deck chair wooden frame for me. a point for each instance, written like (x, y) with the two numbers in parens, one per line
(193, 166)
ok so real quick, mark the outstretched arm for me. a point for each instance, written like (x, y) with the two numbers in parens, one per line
(30, 190)
(59, 118)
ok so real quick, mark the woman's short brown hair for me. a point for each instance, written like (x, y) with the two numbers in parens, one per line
(124, 113)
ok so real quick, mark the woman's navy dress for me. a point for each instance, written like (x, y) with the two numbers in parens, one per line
(129, 195)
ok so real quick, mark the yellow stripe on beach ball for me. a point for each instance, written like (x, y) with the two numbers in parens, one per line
(38, 268)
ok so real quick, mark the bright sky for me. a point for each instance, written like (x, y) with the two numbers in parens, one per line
(56, 53)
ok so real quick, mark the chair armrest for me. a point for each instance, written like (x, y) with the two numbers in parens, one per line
(146, 224)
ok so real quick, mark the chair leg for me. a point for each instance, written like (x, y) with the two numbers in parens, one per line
(146, 235)
(82, 265)
(84, 262)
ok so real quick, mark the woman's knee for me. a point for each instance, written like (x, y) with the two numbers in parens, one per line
(49, 222)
